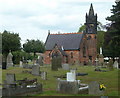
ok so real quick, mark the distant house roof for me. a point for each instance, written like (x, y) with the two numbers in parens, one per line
(68, 41)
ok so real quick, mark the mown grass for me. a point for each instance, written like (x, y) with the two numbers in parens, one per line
(109, 79)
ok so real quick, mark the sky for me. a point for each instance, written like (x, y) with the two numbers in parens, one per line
(33, 18)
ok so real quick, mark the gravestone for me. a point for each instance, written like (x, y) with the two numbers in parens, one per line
(66, 66)
(10, 78)
(110, 65)
(9, 60)
(71, 76)
(40, 60)
(35, 70)
(115, 65)
(21, 64)
(44, 75)
(68, 87)
(56, 63)
(94, 89)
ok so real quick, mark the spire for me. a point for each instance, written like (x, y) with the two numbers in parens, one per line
(91, 10)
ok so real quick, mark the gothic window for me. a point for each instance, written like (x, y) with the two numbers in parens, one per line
(71, 54)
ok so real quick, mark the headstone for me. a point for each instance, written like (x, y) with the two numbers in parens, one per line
(21, 64)
(115, 65)
(9, 60)
(44, 75)
(71, 76)
(68, 87)
(110, 65)
(40, 60)
(10, 78)
(56, 63)
(94, 89)
(66, 66)
(36, 70)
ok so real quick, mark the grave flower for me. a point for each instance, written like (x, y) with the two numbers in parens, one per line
(102, 87)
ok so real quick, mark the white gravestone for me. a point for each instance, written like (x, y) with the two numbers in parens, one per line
(21, 64)
(71, 76)
(115, 65)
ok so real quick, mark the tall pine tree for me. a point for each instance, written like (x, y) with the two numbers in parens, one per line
(112, 36)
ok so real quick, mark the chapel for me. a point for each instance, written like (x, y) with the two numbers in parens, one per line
(74, 48)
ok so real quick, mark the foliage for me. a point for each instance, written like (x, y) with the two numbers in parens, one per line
(112, 36)
(10, 41)
(20, 56)
(82, 28)
(34, 46)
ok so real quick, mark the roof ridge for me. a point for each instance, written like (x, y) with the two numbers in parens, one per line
(67, 33)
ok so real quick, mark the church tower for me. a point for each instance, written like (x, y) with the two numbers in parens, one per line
(91, 34)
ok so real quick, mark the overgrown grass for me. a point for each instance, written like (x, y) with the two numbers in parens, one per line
(109, 79)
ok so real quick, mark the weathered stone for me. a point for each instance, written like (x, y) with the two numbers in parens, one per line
(56, 63)
(9, 60)
(21, 64)
(94, 89)
(68, 87)
(44, 75)
(115, 65)
(66, 66)
(36, 70)
(110, 65)
(10, 78)
(40, 60)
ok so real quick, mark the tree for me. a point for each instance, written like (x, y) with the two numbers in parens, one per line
(112, 36)
(34, 46)
(10, 41)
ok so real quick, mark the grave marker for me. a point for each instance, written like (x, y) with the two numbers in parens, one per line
(35, 70)
(94, 89)
(9, 60)
(115, 65)
(66, 66)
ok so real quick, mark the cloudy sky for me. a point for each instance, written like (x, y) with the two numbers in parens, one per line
(33, 18)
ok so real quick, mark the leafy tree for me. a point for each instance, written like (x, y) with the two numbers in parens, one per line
(10, 41)
(34, 46)
(18, 56)
(112, 36)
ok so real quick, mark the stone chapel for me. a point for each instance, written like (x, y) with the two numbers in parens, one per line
(80, 47)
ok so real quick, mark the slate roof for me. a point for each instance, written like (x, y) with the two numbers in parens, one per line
(69, 41)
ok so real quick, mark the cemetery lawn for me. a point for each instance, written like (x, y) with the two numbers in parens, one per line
(109, 79)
